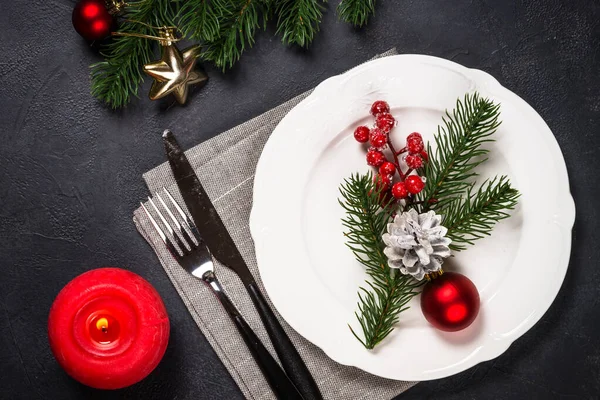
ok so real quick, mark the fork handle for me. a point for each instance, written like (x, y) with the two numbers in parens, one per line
(291, 361)
(279, 382)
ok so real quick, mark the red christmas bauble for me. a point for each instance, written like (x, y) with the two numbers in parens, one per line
(450, 302)
(92, 20)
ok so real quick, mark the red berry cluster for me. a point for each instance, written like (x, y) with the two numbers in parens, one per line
(379, 139)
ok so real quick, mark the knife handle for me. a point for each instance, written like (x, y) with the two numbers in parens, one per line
(288, 355)
(281, 385)
(279, 382)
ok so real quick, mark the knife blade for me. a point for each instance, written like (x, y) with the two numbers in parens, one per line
(207, 219)
(223, 248)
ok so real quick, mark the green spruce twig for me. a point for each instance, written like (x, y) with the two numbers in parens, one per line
(458, 150)
(224, 28)
(117, 78)
(356, 12)
(469, 212)
(474, 216)
(298, 20)
(385, 296)
(199, 19)
(238, 21)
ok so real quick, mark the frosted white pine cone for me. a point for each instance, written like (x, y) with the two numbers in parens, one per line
(416, 243)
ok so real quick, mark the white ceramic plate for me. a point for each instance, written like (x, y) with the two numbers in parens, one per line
(312, 278)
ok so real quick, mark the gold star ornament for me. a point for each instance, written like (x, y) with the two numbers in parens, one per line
(175, 71)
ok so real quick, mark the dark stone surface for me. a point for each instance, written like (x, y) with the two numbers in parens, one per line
(72, 178)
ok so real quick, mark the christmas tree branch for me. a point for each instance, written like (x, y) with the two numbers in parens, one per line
(117, 78)
(474, 216)
(225, 28)
(237, 21)
(458, 150)
(356, 12)
(199, 19)
(298, 20)
(387, 294)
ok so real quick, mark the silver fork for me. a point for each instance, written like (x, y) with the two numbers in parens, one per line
(198, 261)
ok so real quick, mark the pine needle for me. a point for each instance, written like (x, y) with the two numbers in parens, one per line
(474, 216)
(356, 12)
(386, 295)
(451, 167)
(469, 214)
(298, 20)
(199, 19)
(238, 21)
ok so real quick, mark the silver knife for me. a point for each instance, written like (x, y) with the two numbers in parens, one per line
(215, 234)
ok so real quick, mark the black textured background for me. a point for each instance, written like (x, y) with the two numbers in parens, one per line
(71, 178)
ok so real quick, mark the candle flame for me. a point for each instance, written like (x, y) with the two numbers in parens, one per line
(102, 324)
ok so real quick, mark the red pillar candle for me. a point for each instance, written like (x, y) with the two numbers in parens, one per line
(108, 328)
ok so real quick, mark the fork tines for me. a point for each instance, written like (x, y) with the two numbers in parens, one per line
(175, 229)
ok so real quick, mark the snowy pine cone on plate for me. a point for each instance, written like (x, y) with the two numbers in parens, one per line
(416, 243)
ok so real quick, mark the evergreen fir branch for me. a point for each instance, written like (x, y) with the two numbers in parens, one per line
(118, 77)
(199, 19)
(225, 28)
(238, 21)
(356, 12)
(458, 152)
(388, 292)
(298, 20)
(474, 216)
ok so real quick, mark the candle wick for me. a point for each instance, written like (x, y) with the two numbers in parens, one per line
(104, 330)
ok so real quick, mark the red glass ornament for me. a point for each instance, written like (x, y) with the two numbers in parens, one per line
(450, 302)
(92, 20)
(108, 328)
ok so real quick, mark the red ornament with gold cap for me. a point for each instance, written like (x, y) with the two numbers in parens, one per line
(449, 301)
(92, 19)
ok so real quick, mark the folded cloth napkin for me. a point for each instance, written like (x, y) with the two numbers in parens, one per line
(229, 185)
